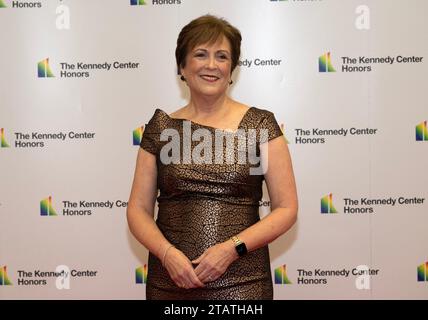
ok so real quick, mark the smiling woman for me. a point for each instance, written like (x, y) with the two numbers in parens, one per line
(208, 241)
(207, 53)
(208, 68)
(207, 30)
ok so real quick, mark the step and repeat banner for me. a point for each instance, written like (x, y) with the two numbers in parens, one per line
(346, 80)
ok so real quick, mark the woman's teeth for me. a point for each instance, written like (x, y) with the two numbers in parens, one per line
(209, 78)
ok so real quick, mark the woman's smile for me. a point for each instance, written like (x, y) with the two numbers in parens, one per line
(209, 78)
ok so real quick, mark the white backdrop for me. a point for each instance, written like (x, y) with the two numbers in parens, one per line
(67, 133)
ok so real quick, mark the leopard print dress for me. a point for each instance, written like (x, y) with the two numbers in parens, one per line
(204, 203)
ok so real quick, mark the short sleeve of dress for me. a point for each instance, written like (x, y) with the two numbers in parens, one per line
(151, 134)
(270, 125)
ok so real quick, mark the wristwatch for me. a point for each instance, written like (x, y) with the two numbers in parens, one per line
(240, 246)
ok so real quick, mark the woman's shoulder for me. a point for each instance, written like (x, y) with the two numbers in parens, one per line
(265, 119)
(158, 120)
(261, 111)
(258, 115)
(177, 113)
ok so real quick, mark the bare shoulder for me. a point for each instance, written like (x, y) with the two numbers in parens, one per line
(240, 106)
(179, 113)
(240, 109)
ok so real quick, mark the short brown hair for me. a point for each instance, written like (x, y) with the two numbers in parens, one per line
(207, 29)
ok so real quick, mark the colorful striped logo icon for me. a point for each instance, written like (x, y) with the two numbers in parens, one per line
(327, 204)
(423, 272)
(44, 70)
(3, 143)
(4, 279)
(46, 208)
(281, 275)
(141, 275)
(138, 3)
(422, 132)
(137, 135)
(324, 63)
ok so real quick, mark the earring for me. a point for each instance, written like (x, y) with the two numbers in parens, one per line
(231, 81)
(183, 78)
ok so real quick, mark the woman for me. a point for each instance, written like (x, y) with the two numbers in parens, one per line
(208, 241)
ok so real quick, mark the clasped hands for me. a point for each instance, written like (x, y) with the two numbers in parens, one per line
(209, 266)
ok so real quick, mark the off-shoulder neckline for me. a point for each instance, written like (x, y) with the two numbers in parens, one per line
(211, 127)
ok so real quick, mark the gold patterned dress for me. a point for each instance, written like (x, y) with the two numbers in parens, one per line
(202, 204)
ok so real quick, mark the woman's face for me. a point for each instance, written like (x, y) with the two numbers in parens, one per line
(207, 69)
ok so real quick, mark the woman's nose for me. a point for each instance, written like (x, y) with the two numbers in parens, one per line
(211, 63)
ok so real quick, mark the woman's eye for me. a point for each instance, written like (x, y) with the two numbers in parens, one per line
(223, 56)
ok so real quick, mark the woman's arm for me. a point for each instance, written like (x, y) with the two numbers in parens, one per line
(140, 210)
(140, 214)
(281, 186)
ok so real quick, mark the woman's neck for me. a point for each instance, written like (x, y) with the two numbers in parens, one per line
(208, 107)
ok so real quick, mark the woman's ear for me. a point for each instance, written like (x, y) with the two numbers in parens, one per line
(180, 72)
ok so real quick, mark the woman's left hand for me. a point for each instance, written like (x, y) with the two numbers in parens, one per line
(215, 261)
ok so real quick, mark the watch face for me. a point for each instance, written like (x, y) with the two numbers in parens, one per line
(241, 249)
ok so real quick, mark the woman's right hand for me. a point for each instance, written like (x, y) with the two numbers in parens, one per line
(181, 270)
